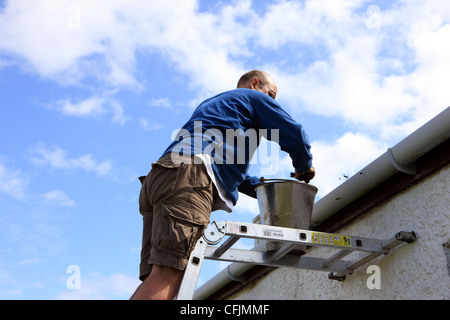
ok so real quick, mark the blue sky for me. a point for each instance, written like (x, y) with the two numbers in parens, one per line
(91, 92)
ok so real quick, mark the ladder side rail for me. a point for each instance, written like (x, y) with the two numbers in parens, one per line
(300, 236)
(398, 239)
(336, 257)
(288, 261)
(387, 245)
(192, 271)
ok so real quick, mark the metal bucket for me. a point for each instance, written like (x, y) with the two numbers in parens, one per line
(286, 203)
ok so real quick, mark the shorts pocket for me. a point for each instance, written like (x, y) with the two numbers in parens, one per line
(177, 237)
(164, 178)
(189, 213)
(199, 176)
(202, 188)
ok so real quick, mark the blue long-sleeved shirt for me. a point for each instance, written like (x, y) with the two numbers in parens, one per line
(240, 112)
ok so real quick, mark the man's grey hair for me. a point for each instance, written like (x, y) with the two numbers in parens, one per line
(261, 75)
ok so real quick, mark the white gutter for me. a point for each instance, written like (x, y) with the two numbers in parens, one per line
(401, 157)
(427, 137)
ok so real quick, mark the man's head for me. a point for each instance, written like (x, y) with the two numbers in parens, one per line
(260, 81)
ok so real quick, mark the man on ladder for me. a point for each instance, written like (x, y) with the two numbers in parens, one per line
(202, 171)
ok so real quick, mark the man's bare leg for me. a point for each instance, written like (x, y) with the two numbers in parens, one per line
(162, 284)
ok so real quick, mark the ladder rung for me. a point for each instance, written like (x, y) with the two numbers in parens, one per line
(336, 257)
(264, 258)
(353, 266)
(280, 253)
(226, 245)
(358, 263)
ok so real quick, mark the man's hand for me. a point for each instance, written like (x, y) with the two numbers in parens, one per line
(305, 176)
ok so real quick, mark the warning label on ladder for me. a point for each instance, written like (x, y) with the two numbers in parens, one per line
(331, 239)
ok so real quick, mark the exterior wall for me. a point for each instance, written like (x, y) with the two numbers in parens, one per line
(412, 271)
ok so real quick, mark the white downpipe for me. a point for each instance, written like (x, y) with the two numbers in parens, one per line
(430, 135)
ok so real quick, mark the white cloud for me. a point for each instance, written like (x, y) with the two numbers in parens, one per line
(246, 207)
(7, 281)
(88, 107)
(93, 107)
(338, 160)
(389, 80)
(57, 158)
(149, 126)
(95, 286)
(58, 197)
(12, 182)
(380, 77)
(386, 80)
(101, 38)
(310, 22)
(31, 261)
(161, 102)
(61, 40)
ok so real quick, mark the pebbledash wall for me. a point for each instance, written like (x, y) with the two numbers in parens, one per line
(418, 270)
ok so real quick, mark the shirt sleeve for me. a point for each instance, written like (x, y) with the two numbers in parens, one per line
(291, 137)
(248, 186)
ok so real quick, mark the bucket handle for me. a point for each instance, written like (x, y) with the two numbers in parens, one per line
(262, 180)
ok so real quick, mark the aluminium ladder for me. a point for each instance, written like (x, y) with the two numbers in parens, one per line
(206, 249)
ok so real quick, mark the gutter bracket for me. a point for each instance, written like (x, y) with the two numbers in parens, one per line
(409, 169)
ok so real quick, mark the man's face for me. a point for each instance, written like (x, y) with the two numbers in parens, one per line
(268, 87)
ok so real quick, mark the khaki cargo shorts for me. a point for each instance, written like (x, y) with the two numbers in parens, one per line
(175, 202)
